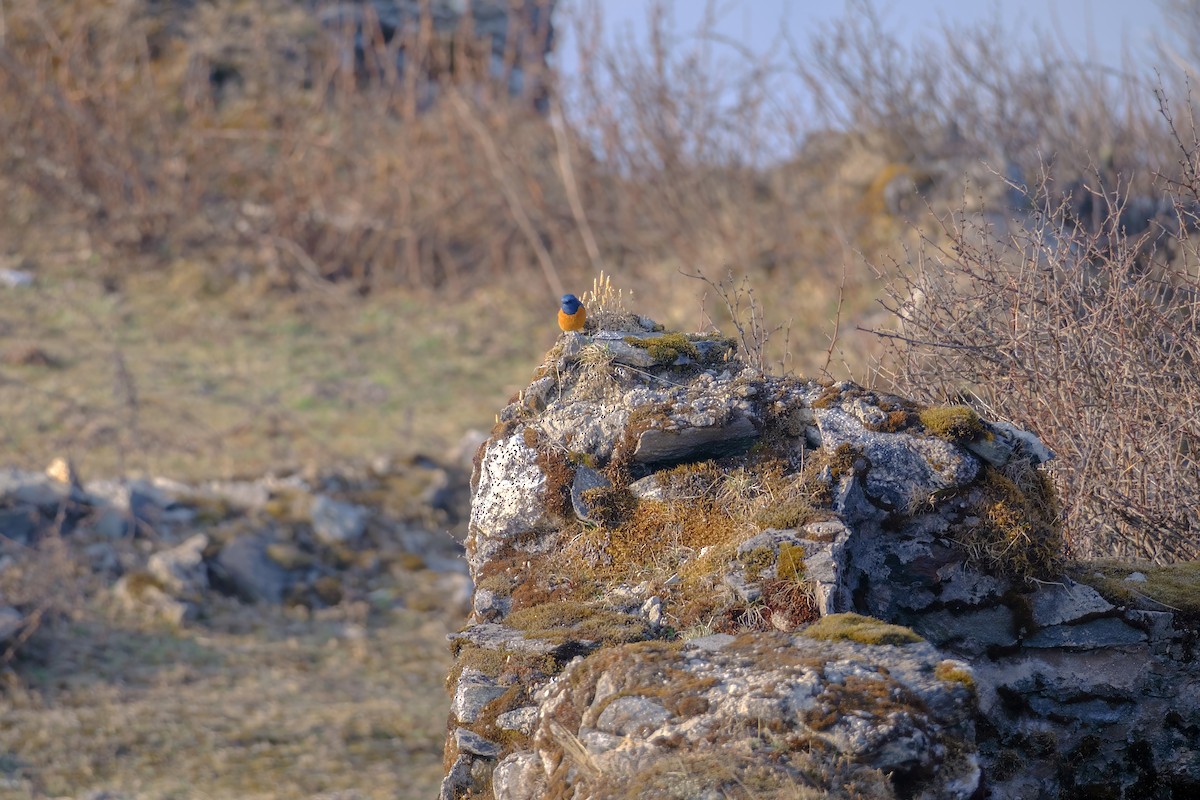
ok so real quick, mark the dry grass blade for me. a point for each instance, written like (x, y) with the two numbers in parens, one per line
(573, 748)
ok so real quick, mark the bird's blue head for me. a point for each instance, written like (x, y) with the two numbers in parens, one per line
(570, 303)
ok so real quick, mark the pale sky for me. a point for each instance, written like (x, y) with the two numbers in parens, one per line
(1099, 31)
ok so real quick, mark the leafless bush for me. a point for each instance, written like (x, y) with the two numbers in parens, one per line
(978, 93)
(235, 126)
(42, 580)
(1087, 336)
(748, 316)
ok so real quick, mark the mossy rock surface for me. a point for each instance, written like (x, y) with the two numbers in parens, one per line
(955, 423)
(864, 630)
(1154, 587)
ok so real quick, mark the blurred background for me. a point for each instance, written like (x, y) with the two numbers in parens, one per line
(290, 238)
(244, 237)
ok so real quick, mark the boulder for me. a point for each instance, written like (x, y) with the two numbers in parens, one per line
(243, 568)
(336, 522)
(181, 570)
(691, 576)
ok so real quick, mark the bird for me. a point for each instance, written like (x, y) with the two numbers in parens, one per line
(572, 315)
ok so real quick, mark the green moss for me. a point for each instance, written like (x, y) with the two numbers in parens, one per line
(954, 423)
(609, 505)
(581, 459)
(757, 561)
(569, 620)
(1019, 532)
(857, 628)
(843, 459)
(666, 349)
(1175, 586)
(790, 564)
(794, 512)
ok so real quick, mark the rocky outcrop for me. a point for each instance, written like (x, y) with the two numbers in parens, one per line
(162, 550)
(684, 567)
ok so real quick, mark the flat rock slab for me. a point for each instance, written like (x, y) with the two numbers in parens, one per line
(687, 445)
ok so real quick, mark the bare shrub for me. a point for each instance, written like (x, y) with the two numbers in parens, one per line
(1087, 335)
(44, 581)
(978, 93)
(748, 316)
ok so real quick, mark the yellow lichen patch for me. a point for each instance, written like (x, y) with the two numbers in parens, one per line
(857, 628)
(667, 348)
(1020, 531)
(954, 423)
(1169, 587)
(954, 672)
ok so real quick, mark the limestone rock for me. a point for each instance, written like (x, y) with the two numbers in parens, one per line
(473, 743)
(509, 498)
(612, 714)
(473, 691)
(35, 489)
(902, 471)
(181, 570)
(688, 444)
(586, 478)
(244, 569)
(335, 522)
(662, 646)
(20, 523)
(1067, 601)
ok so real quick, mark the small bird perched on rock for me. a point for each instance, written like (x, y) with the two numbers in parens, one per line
(572, 315)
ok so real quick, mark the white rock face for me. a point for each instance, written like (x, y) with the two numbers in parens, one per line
(509, 498)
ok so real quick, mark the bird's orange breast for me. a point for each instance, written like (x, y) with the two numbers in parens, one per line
(572, 322)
